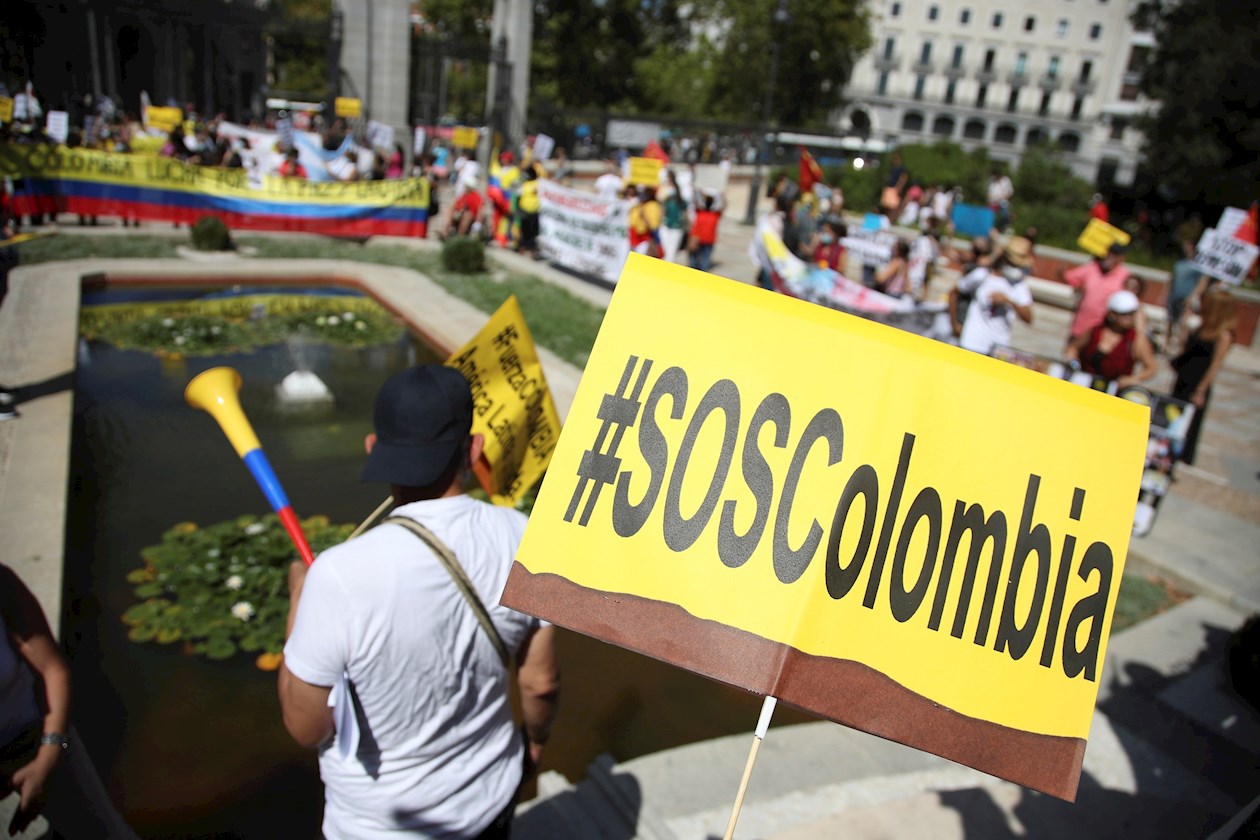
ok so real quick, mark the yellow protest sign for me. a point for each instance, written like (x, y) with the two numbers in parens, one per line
(645, 170)
(163, 119)
(6, 109)
(512, 406)
(1098, 236)
(345, 106)
(894, 533)
(464, 137)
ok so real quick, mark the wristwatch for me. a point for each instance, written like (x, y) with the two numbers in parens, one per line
(57, 739)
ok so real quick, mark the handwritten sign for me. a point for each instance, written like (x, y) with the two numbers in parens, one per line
(843, 536)
(645, 171)
(163, 119)
(1224, 257)
(1231, 219)
(57, 125)
(1098, 236)
(349, 107)
(512, 405)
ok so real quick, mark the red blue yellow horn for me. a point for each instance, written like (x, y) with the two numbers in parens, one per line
(216, 391)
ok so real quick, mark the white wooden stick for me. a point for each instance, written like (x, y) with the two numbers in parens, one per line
(763, 725)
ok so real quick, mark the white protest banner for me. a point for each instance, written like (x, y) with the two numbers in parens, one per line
(583, 232)
(284, 127)
(712, 178)
(1230, 221)
(632, 133)
(1224, 257)
(58, 126)
(380, 135)
(417, 140)
(871, 247)
(544, 146)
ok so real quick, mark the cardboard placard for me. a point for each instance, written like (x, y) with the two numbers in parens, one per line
(972, 219)
(464, 137)
(544, 147)
(349, 107)
(645, 171)
(844, 537)
(1224, 257)
(6, 109)
(57, 125)
(1098, 236)
(163, 119)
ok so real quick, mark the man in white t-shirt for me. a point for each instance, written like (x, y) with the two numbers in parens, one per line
(421, 742)
(999, 295)
(609, 185)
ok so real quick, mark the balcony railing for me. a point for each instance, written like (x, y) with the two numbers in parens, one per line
(986, 77)
(924, 68)
(1049, 82)
(1016, 79)
(888, 62)
(1083, 87)
(955, 71)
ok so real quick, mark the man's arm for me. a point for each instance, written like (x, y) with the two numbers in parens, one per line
(304, 707)
(539, 681)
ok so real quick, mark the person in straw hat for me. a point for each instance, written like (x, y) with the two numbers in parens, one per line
(999, 295)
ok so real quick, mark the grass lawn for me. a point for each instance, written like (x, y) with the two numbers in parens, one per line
(559, 321)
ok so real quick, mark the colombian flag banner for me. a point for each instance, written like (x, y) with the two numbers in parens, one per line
(57, 179)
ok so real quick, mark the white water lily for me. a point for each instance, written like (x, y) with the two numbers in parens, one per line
(333, 320)
(321, 320)
(214, 552)
(168, 322)
(349, 316)
(179, 339)
(255, 528)
(234, 582)
(360, 325)
(243, 610)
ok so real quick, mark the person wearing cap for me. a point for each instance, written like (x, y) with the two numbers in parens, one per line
(1094, 282)
(999, 295)
(422, 742)
(1116, 346)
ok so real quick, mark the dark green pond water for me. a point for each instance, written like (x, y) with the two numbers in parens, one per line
(194, 748)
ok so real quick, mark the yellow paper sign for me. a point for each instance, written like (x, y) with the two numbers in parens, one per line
(6, 109)
(888, 531)
(163, 119)
(644, 170)
(512, 405)
(464, 137)
(1098, 236)
(345, 106)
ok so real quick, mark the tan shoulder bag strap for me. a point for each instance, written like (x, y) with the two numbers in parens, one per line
(462, 583)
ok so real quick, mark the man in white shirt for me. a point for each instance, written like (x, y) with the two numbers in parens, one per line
(422, 741)
(999, 296)
(609, 185)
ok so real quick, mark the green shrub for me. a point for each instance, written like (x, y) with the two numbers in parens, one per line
(209, 233)
(464, 255)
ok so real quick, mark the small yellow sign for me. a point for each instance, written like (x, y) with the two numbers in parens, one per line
(645, 171)
(163, 119)
(888, 531)
(464, 137)
(512, 405)
(1098, 236)
(6, 109)
(349, 107)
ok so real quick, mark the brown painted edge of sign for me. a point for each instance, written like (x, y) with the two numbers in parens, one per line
(844, 691)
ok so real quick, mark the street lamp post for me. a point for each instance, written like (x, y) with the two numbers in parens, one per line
(763, 146)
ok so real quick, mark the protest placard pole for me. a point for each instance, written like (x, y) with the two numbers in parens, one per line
(759, 735)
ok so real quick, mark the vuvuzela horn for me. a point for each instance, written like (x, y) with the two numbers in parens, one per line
(216, 392)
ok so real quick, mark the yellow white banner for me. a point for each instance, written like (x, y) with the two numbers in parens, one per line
(163, 119)
(464, 137)
(512, 405)
(1098, 236)
(897, 534)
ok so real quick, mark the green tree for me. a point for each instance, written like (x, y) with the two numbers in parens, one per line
(819, 42)
(1203, 136)
(298, 35)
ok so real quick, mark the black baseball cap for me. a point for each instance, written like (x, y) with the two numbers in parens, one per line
(422, 418)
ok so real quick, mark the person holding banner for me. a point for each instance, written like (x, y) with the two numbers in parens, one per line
(645, 223)
(402, 628)
(1201, 361)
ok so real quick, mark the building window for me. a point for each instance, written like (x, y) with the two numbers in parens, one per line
(1030, 23)
(997, 20)
(882, 88)
(1005, 134)
(1021, 64)
(981, 95)
(951, 89)
(956, 61)
(943, 126)
(889, 45)
(989, 57)
(895, 11)
(1087, 67)
(1095, 31)
(1107, 171)
(925, 54)
(1044, 109)
(934, 12)
(1053, 69)
(964, 17)
(1036, 137)
(919, 82)
(974, 130)
(1061, 28)
(1013, 103)
(1070, 142)
(1118, 125)
(912, 121)
(1077, 105)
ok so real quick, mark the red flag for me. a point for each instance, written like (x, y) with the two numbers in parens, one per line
(811, 172)
(1249, 230)
(654, 150)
